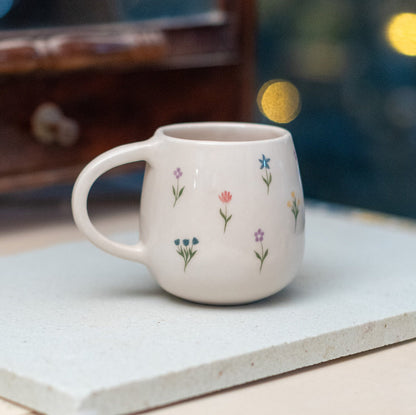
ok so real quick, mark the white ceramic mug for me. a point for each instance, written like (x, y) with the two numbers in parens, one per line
(222, 212)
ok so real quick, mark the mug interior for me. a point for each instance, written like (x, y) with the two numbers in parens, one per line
(224, 132)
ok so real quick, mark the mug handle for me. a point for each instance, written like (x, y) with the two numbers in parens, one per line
(128, 153)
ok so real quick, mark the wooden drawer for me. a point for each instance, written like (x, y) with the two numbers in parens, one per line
(195, 71)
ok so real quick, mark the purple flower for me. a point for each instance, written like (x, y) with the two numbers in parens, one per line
(261, 256)
(259, 235)
(177, 173)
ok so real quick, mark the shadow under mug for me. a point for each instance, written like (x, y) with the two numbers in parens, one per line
(221, 217)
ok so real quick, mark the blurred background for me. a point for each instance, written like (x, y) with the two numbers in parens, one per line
(80, 77)
(354, 65)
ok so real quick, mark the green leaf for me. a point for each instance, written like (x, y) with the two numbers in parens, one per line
(173, 190)
(257, 255)
(264, 180)
(222, 215)
(181, 191)
(192, 254)
(179, 252)
(270, 178)
(228, 219)
(265, 254)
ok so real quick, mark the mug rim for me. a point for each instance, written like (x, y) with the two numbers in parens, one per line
(270, 132)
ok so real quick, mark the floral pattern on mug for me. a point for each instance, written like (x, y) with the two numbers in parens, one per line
(225, 198)
(177, 193)
(186, 249)
(294, 205)
(261, 256)
(264, 164)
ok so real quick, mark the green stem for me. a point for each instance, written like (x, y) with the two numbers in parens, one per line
(225, 218)
(268, 183)
(186, 258)
(262, 256)
(296, 218)
(177, 192)
(267, 180)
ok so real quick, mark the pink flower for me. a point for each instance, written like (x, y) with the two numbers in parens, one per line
(225, 196)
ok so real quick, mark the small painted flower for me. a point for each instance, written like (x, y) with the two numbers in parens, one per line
(177, 192)
(294, 205)
(177, 172)
(261, 256)
(186, 251)
(225, 198)
(264, 164)
(259, 235)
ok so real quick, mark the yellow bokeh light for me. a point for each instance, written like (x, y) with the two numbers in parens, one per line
(279, 101)
(401, 33)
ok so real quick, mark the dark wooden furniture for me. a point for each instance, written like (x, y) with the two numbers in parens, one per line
(115, 84)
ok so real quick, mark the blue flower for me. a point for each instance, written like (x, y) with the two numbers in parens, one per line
(264, 162)
(177, 241)
(186, 242)
(195, 241)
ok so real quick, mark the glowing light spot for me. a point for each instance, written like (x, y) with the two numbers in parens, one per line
(401, 33)
(279, 101)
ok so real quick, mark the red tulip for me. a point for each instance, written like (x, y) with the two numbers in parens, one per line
(225, 196)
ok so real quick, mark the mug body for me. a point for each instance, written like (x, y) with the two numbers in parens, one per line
(222, 211)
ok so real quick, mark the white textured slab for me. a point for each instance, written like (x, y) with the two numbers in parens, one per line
(82, 332)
